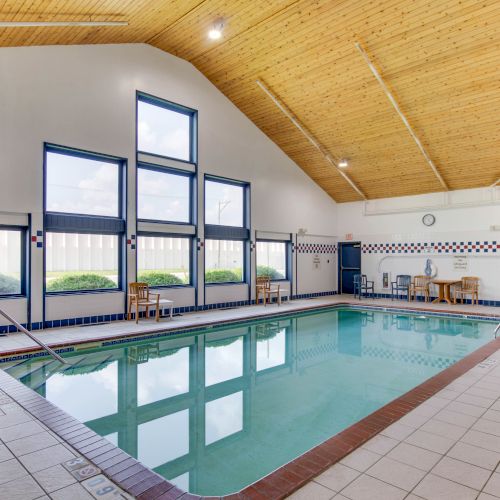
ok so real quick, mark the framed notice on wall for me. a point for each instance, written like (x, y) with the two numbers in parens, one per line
(460, 263)
(385, 280)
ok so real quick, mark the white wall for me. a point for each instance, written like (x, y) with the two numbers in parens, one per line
(468, 218)
(84, 97)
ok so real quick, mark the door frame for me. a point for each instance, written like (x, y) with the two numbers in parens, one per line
(339, 270)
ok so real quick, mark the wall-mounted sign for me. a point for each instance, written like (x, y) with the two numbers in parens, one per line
(460, 263)
(385, 280)
(316, 261)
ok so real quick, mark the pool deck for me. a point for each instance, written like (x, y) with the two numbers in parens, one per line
(18, 342)
(439, 441)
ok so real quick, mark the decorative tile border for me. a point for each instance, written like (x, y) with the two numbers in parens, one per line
(144, 484)
(433, 247)
(316, 248)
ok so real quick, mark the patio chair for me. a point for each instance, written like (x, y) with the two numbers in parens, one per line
(402, 284)
(420, 285)
(262, 284)
(276, 290)
(361, 284)
(468, 286)
(140, 296)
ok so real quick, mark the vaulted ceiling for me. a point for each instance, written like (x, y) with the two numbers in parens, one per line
(439, 59)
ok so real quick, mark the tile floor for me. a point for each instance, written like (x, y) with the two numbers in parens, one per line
(36, 464)
(448, 448)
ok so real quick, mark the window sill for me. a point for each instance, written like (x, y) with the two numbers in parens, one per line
(83, 292)
(227, 283)
(13, 296)
(169, 287)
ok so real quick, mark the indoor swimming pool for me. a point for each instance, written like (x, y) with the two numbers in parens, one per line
(216, 410)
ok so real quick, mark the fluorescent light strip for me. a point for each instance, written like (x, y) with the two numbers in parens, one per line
(23, 24)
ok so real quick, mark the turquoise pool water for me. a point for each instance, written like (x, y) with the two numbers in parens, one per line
(217, 410)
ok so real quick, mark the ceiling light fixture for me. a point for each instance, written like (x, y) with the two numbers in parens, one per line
(216, 32)
(57, 24)
(343, 163)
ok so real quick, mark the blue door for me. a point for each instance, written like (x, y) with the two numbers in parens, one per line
(349, 265)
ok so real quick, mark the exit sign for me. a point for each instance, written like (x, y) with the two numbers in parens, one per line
(348, 236)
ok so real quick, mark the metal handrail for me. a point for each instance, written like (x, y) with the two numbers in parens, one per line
(496, 330)
(32, 337)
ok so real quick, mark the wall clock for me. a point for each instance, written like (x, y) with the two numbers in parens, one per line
(428, 219)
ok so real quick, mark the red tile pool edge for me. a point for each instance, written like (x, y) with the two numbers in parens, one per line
(144, 484)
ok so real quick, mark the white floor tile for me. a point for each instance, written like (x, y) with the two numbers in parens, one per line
(337, 477)
(493, 485)
(380, 444)
(444, 429)
(438, 488)
(474, 455)
(432, 442)
(482, 440)
(415, 456)
(398, 474)
(453, 417)
(361, 459)
(312, 491)
(461, 472)
(369, 488)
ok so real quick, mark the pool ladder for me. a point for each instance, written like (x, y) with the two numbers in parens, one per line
(496, 330)
(32, 337)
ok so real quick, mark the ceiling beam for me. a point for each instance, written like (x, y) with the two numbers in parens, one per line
(394, 103)
(309, 136)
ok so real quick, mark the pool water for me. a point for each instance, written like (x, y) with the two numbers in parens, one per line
(218, 410)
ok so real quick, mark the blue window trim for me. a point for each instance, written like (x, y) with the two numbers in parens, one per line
(122, 215)
(222, 235)
(172, 171)
(23, 230)
(80, 153)
(169, 235)
(177, 108)
(287, 256)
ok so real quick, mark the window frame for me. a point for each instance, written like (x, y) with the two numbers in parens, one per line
(244, 279)
(288, 248)
(245, 186)
(177, 108)
(86, 155)
(23, 230)
(172, 171)
(229, 233)
(121, 260)
(188, 237)
(88, 221)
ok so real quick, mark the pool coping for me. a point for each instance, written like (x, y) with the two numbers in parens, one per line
(144, 484)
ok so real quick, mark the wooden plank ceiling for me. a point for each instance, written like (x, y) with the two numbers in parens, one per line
(441, 60)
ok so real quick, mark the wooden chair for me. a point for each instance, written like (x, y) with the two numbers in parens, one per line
(140, 296)
(468, 286)
(276, 290)
(420, 284)
(262, 285)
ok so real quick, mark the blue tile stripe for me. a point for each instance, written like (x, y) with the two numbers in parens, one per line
(433, 247)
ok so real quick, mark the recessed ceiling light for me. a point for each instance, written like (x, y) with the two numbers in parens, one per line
(343, 163)
(216, 32)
